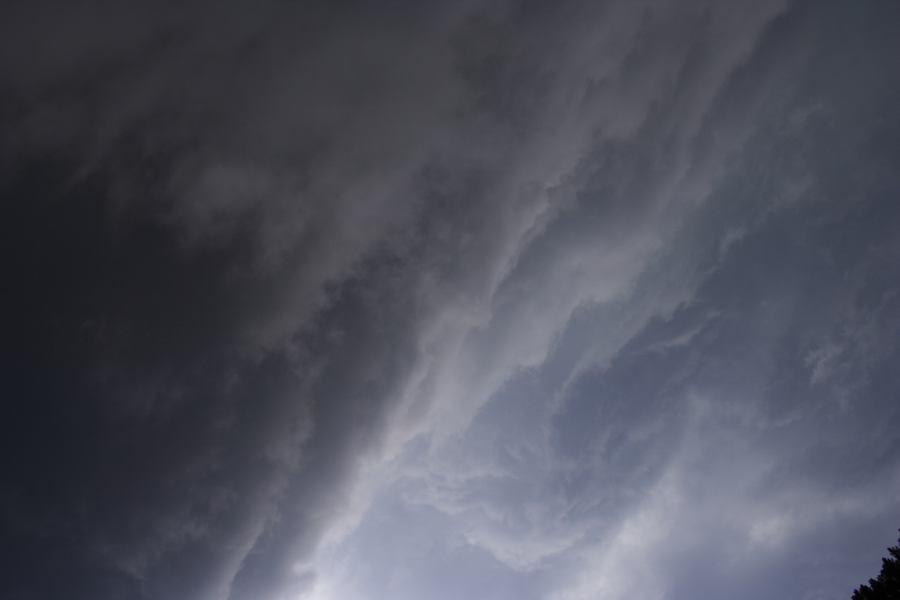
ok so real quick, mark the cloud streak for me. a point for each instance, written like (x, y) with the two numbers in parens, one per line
(497, 300)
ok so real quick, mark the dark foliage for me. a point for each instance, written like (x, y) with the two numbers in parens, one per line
(887, 585)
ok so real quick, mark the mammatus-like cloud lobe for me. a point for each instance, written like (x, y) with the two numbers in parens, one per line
(501, 300)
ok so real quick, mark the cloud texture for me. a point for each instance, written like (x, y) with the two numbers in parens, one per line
(357, 300)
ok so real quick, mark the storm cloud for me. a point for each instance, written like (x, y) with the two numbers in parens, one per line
(502, 300)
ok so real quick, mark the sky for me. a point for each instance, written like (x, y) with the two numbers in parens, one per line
(495, 300)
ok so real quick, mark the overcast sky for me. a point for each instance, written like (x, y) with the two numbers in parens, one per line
(492, 300)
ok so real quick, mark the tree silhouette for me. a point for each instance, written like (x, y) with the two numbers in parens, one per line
(887, 586)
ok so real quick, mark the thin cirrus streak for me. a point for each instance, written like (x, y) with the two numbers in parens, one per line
(503, 300)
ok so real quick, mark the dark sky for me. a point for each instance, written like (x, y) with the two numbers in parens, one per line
(512, 300)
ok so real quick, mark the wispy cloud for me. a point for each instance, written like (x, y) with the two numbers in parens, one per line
(500, 300)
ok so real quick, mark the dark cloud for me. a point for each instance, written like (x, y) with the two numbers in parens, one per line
(505, 300)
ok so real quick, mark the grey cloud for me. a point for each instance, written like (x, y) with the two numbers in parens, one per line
(690, 469)
(496, 300)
